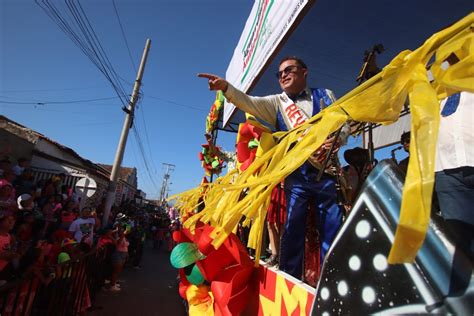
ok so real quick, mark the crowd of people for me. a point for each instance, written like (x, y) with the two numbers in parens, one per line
(43, 227)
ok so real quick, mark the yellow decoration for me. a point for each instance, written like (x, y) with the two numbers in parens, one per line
(297, 297)
(200, 300)
(379, 100)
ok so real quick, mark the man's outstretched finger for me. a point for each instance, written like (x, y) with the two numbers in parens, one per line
(208, 76)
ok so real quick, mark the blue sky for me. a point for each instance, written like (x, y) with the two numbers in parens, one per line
(38, 62)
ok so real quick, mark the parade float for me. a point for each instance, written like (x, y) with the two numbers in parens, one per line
(391, 255)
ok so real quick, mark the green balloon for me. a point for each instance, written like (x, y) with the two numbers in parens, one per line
(184, 254)
(196, 276)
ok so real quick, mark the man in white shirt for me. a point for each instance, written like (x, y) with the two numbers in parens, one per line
(454, 177)
(295, 105)
(83, 227)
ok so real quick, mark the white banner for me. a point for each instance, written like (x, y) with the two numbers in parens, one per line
(268, 23)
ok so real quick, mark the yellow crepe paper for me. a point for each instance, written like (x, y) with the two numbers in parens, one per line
(200, 300)
(379, 100)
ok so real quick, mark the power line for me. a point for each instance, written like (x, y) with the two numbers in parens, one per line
(143, 116)
(178, 104)
(80, 30)
(48, 90)
(55, 102)
(95, 124)
(139, 163)
(123, 35)
(93, 38)
(49, 110)
(82, 34)
(142, 153)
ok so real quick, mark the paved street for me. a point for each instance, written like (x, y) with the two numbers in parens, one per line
(152, 290)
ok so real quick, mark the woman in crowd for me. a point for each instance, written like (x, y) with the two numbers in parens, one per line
(119, 257)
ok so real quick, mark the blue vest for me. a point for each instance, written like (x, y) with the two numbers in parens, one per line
(318, 94)
(307, 173)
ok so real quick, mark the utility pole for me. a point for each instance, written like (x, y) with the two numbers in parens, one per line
(129, 110)
(164, 187)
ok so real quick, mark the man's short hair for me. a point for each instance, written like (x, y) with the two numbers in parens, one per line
(298, 60)
(86, 209)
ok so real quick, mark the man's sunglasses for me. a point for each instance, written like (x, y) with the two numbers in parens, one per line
(287, 70)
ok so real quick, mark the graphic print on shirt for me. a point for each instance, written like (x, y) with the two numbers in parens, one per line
(85, 228)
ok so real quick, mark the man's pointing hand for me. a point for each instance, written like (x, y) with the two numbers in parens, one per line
(215, 82)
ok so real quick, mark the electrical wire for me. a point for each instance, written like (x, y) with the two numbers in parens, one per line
(142, 153)
(75, 23)
(143, 116)
(123, 36)
(55, 102)
(176, 103)
(48, 90)
(77, 26)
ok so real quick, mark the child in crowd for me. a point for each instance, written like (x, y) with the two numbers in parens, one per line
(67, 215)
(68, 250)
(24, 231)
(7, 242)
(7, 198)
(49, 215)
(57, 241)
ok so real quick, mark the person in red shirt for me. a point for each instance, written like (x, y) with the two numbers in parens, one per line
(68, 215)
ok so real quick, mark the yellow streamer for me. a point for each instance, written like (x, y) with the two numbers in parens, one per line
(379, 100)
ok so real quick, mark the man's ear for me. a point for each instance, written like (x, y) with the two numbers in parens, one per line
(305, 72)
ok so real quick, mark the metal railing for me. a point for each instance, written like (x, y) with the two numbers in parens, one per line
(70, 293)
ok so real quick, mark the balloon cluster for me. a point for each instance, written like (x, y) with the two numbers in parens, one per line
(212, 157)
